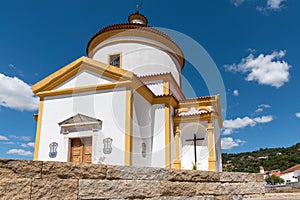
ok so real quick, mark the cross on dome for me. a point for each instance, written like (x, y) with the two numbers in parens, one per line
(137, 18)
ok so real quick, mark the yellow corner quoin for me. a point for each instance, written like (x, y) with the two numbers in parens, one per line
(177, 162)
(166, 90)
(167, 136)
(38, 130)
(128, 127)
(166, 86)
(211, 147)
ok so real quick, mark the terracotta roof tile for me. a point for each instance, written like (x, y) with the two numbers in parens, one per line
(130, 26)
(294, 168)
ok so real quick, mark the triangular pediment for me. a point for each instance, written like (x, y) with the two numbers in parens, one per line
(83, 64)
(84, 78)
(79, 119)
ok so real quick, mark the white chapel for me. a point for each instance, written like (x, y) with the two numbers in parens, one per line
(123, 105)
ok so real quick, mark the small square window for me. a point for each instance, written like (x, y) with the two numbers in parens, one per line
(114, 60)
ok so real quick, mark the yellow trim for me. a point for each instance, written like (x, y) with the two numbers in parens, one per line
(202, 104)
(167, 136)
(65, 73)
(143, 90)
(177, 162)
(180, 110)
(166, 88)
(211, 147)
(82, 89)
(128, 128)
(45, 87)
(112, 54)
(219, 110)
(189, 103)
(206, 108)
(167, 100)
(38, 130)
(165, 77)
(194, 118)
(175, 49)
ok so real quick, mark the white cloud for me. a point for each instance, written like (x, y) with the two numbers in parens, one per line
(3, 137)
(263, 119)
(298, 115)
(265, 69)
(16, 94)
(9, 142)
(20, 152)
(270, 5)
(239, 123)
(227, 131)
(264, 106)
(259, 110)
(23, 138)
(237, 3)
(274, 4)
(228, 143)
(261, 107)
(236, 93)
(29, 144)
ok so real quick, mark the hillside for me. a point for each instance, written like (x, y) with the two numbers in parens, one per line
(269, 158)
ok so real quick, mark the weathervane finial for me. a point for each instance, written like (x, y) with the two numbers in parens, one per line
(138, 6)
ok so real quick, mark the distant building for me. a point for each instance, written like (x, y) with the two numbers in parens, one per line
(292, 174)
(275, 172)
(263, 157)
(261, 170)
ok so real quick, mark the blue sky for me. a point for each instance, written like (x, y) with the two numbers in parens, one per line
(254, 44)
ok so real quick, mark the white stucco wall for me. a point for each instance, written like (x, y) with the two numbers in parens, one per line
(140, 58)
(187, 148)
(157, 88)
(84, 78)
(158, 144)
(291, 177)
(142, 131)
(108, 106)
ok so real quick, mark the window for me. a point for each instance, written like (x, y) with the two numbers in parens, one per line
(115, 60)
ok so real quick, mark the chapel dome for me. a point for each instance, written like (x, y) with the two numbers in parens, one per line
(137, 25)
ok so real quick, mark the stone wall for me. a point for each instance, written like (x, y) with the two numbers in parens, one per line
(55, 180)
(289, 189)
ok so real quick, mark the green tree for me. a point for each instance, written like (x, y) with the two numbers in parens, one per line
(274, 180)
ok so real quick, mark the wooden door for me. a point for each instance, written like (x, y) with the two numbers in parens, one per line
(81, 150)
(87, 150)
